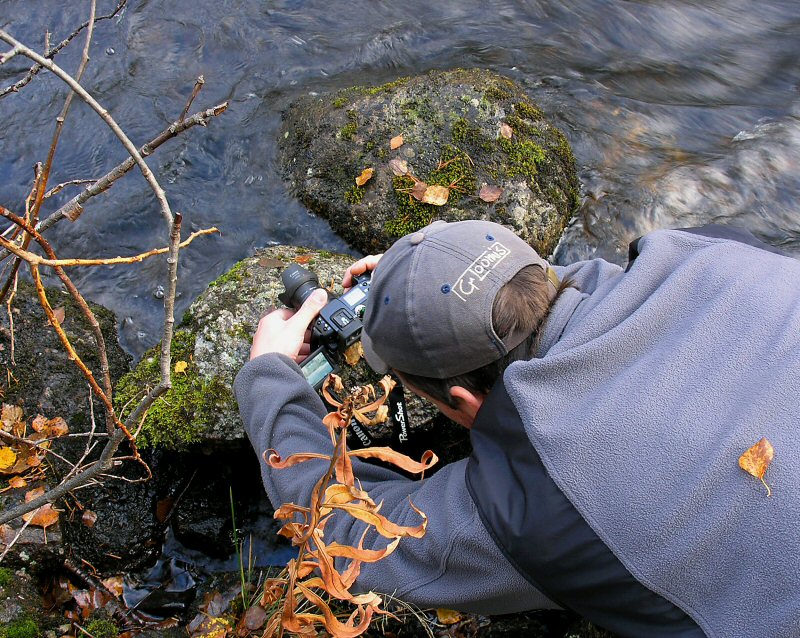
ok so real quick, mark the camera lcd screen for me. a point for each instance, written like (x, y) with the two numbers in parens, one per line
(315, 368)
(354, 296)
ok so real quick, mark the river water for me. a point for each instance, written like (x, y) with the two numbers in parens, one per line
(679, 112)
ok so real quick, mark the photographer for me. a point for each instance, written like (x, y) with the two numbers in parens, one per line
(608, 410)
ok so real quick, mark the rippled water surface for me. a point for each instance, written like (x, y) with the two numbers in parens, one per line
(679, 113)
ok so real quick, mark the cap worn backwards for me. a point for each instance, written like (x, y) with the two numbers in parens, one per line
(429, 311)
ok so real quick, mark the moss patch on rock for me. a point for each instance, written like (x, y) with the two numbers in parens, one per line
(327, 141)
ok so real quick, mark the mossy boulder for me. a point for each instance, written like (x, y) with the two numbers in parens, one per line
(213, 341)
(462, 129)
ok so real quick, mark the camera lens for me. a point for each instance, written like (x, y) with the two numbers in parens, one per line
(298, 283)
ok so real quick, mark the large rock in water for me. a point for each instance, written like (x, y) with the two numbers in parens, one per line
(461, 129)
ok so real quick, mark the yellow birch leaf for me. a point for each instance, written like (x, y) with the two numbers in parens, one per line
(7, 457)
(448, 616)
(396, 142)
(180, 366)
(45, 516)
(365, 176)
(756, 459)
(436, 195)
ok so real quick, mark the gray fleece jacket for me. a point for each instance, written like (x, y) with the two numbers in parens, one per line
(647, 387)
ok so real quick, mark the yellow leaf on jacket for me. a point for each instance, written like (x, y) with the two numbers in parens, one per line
(756, 459)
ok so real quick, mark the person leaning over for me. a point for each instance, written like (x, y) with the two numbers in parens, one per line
(607, 409)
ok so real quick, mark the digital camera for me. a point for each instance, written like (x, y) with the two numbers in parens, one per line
(338, 325)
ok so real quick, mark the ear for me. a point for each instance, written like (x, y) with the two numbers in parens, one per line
(468, 402)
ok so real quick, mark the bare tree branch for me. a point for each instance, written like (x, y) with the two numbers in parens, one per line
(50, 53)
(73, 209)
(197, 86)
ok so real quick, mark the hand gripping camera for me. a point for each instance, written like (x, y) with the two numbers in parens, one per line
(338, 325)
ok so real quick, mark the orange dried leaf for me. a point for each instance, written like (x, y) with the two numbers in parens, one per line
(428, 459)
(364, 555)
(332, 624)
(383, 525)
(114, 584)
(756, 459)
(8, 458)
(34, 493)
(273, 590)
(354, 353)
(17, 482)
(490, 193)
(506, 131)
(436, 195)
(398, 166)
(365, 176)
(11, 414)
(45, 516)
(396, 142)
(39, 423)
(302, 259)
(274, 460)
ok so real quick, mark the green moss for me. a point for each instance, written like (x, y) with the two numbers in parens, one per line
(5, 576)
(522, 157)
(242, 331)
(497, 93)
(385, 88)
(21, 628)
(411, 214)
(103, 628)
(339, 102)
(370, 145)
(354, 194)
(237, 274)
(188, 408)
(528, 111)
(348, 131)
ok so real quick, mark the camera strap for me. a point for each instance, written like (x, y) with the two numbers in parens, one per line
(398, 413)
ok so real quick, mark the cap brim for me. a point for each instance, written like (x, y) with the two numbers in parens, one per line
(374, 361)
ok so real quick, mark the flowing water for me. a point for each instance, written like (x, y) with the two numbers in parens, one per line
(679, 112)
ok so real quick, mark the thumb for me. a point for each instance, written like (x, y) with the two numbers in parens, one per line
(311, 306)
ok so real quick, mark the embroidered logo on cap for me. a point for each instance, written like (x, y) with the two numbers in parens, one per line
(478, 270)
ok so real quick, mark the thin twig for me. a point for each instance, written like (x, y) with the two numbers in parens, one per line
(73, 208)
(8, 55)
(33, 258)
(73, 182)
(104, 115)
(50, 53)
(197, 86)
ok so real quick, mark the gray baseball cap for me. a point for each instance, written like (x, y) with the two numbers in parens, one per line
(429, 310)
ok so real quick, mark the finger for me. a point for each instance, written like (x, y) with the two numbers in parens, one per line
(311, 307)
(361, 266)
(305, 349)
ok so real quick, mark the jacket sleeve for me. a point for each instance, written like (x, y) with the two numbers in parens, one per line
(455, 565)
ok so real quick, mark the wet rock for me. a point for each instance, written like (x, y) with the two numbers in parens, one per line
(214, 342)
(462, 129)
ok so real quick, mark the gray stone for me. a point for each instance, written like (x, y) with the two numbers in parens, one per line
(451, 125)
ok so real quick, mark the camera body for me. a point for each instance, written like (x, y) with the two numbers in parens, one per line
(338, 325)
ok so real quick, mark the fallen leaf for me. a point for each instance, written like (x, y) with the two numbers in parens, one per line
(7, 457)
(490, 193)
(59, 313)
(268, 262)
(506, 131)
(17, 482)
(114, 584)
(418, 191)
(11, 414)
(45, 516)
(436, 195)
(756, 460)
(398, 166)
(88, 518)
(396, 142)
(180, 366)
(7, 534)
(448, 616)
(302, 259)
(365, 176)
(354, 353)
(34, 493)
(254, 618)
